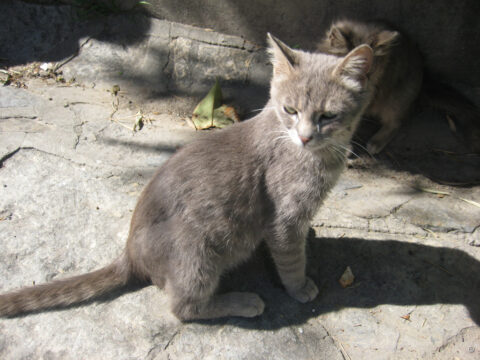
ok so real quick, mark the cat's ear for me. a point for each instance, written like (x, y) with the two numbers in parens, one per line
(283, 58)
(384, 41)
(338, 40)
(353, 68)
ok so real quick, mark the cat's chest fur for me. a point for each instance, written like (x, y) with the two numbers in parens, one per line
(299, 181)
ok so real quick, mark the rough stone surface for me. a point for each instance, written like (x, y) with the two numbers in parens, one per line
(148, 56)
(71, 170)
(444, 31)
(69, 181)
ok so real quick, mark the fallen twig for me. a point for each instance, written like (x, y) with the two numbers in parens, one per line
(439, 192)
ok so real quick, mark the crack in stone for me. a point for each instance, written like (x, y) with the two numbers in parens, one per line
(172, 338)
(32, 117)
(77, 129)
(230, 46)
(337, 343)
(169, 53)
(8, 156)
(71, 57)
(452, 339)
(398, 207)
(367, 229)
(391, 212)
(17, 150)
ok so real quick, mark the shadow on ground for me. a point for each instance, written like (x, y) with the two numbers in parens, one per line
(387, 272)
(51, 33)
(424, 146)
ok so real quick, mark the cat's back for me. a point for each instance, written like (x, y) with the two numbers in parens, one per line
(217, 171)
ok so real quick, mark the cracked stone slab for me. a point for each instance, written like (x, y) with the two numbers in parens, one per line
(211, 37)
(50, 199)
(168, 56)
(389, 333)
(92, 219)
(434, 213)
(373, 198)
(18, 116)
(75, 122)
(195, 65)
(66, 196)
(309, 340)
(464, 345)
(386, 204)
(108, 63)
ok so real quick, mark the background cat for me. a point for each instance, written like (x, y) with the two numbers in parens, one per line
(396, 80)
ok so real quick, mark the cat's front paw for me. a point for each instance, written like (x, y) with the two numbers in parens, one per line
(375, 146)
(306, 293)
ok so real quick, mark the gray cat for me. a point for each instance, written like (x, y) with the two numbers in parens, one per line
(209, 206)
(397, 80)
(396, 74)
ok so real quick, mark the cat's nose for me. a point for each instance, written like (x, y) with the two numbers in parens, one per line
(305, 140)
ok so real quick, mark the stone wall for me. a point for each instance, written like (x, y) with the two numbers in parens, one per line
(446, 31)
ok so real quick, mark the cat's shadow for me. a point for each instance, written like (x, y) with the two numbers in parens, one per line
(387, 272)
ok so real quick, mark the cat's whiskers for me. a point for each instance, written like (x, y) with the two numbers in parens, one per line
(348, 150)
(351, 152)
(336, 153)
(364, 148)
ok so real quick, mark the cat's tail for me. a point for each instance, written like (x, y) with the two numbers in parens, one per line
(65, 292)
(462, 114)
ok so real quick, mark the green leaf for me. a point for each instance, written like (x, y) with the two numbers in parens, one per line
(203, 113)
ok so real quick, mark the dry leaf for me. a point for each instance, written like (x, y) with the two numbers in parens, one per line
(209, 113)
(347, 278)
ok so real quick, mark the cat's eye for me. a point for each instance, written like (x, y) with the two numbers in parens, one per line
(290, 110)
(328, 115)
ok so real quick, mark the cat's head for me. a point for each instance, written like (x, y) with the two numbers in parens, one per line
(319, 98)
(343, 36)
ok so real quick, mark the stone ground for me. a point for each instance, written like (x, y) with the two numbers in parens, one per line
(71, 169)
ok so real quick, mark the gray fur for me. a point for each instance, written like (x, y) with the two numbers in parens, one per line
(210, 205)
(395, 77)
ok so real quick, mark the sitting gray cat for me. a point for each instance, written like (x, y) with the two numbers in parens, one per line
(210, 205)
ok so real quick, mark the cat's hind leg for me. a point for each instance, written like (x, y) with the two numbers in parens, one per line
(192, 295)
(388, 130)
(241, 304)
(392, 114)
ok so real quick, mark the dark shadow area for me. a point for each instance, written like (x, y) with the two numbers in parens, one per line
(181, 76)
(426, 146)
(50, 33)
(141, 56)
(130, 144)
(303, 22)
(387, 272)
